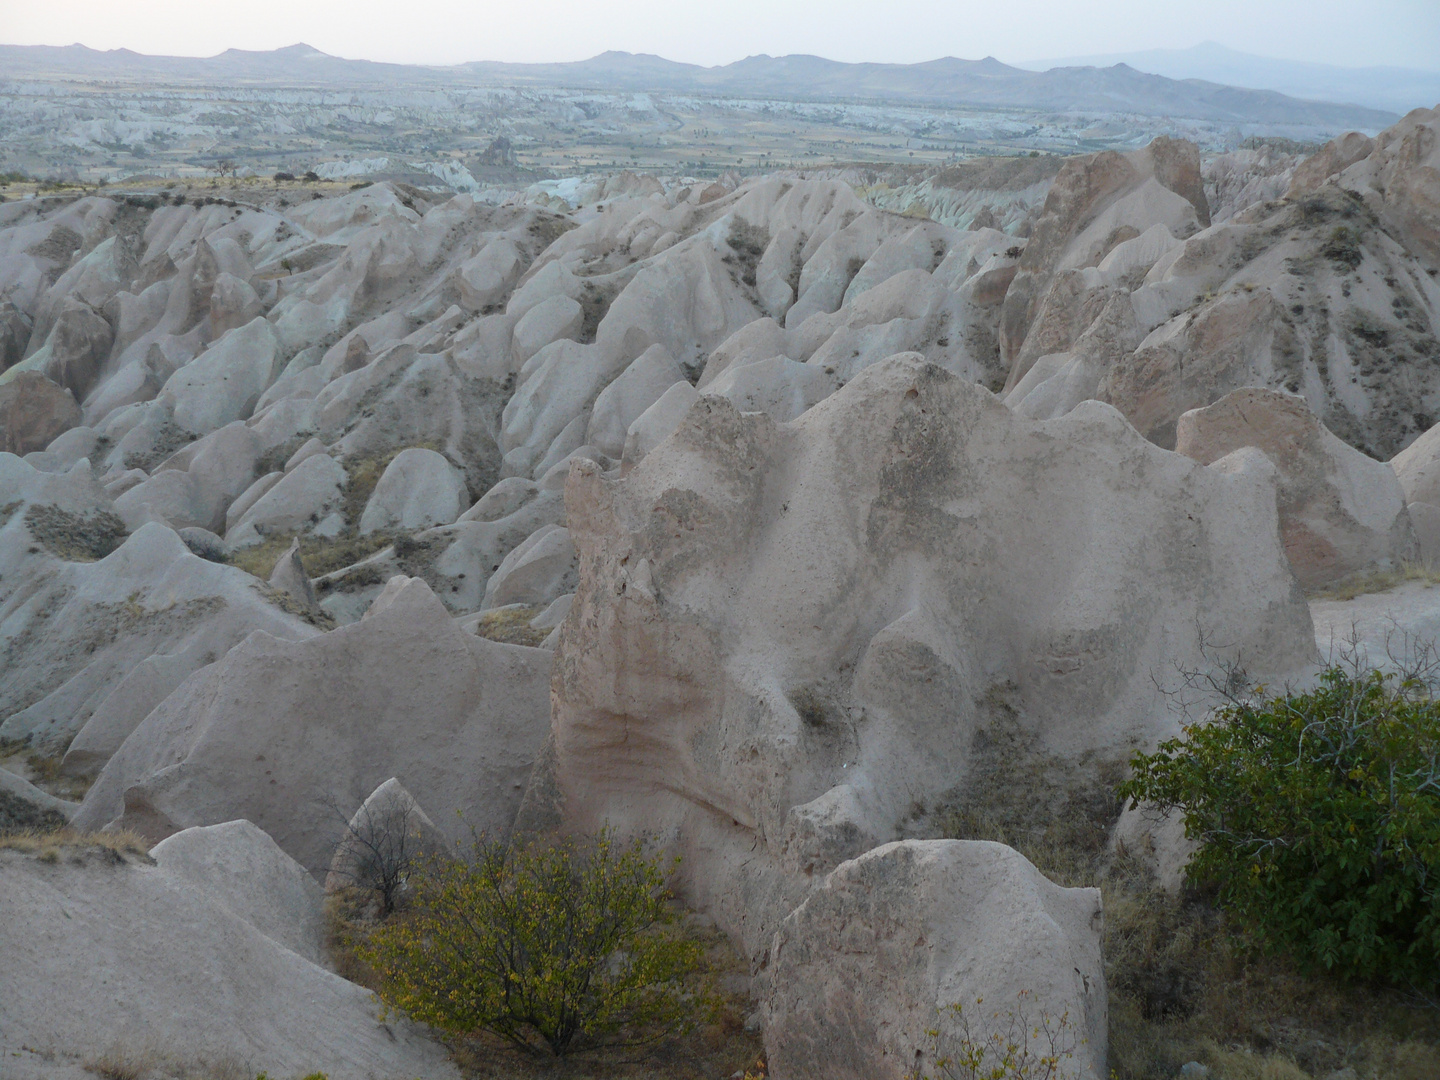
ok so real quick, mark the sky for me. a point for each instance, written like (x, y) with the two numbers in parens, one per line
(1349, 32)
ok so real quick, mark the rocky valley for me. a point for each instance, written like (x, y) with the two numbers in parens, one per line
(842, 528)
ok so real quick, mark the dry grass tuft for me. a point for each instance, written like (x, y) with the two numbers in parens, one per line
(320, 555)
(47, 845)
(1374, 581)
(512, 625)
(74, 537)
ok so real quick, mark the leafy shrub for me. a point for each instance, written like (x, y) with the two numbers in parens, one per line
(568, 944)
(1318, 817)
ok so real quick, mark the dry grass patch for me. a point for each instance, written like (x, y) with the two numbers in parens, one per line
(48, 845)
(1375, 581)
(75, 537)
(321, 555)
(511, 624)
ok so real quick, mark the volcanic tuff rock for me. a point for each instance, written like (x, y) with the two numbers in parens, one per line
(887, 943)
(77, 632)
(122, 956)
(277, 730)
(1330, 293)
(1340, 511)
(774, 705)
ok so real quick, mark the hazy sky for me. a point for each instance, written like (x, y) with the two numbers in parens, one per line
(1351, 32)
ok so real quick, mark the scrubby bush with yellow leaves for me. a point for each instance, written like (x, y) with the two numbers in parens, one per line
(571, 944)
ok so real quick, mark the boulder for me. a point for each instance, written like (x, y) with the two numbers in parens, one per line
(115, 956)
(878, 955)
(724, 676)
(536, 572)
(1340, 511)
(34, 410)
(225, 381)
(419, 488)
(245, 871)
(297, 502)
(279, 731)
(550, 320)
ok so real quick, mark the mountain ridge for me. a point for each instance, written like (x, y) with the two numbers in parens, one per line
(946, 81)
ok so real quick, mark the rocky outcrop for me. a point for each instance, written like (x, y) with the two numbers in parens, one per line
(34, 411)
(1340, 511)
(776, 704)
(84, 607)
(112, 950)
(279, 732)
(877, 957)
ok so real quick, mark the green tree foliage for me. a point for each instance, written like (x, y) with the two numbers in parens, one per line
(573, 944)
(1318, 819)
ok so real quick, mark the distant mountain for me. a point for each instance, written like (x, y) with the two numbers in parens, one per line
(1395, 89)
(983, 83)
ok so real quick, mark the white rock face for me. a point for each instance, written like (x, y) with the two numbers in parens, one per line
(101, 619)
(298, 501)
(887, 942)
(418, 489)
(141, 957)
(861, 665)
(622, 402)
(537, 571)
(224, 382)
(550, 320)
(657, 422)
(275, 729)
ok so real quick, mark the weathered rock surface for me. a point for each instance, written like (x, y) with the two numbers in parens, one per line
(418, 489)
(76, 625)
(886, 943)
(779, 706)
(277, 729)
(117, 956)
(1340, 511)
(34, 411)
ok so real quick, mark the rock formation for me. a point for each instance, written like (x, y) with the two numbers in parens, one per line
(784, 637)
(132, 958)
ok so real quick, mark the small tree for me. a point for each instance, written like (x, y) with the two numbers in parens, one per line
(382, 844)
(572, 945)
(1318, 818)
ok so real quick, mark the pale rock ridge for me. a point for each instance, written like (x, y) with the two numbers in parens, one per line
(115, 953)
(402, 693)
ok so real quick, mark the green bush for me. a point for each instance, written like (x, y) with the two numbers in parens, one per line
(573, 945)
(1318, 819)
